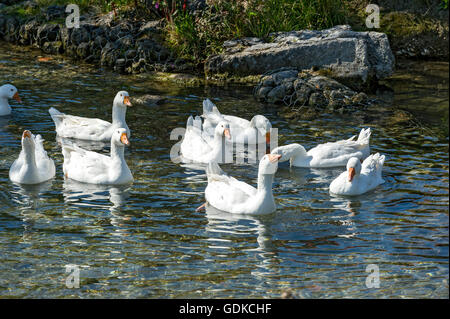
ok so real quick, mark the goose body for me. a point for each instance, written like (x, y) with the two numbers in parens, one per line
(91, 167)
(359, 178)
(201, 148)
(33, 166)
(255, 131)
(92, 128)
(7, 92)
(233, 196)
(331, 154)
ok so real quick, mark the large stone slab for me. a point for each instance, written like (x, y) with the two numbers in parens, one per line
(355, 58)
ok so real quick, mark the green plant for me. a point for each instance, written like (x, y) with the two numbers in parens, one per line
(198, 37)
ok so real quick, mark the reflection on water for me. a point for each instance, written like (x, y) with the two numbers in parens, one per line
(147, 240)
(90, 195)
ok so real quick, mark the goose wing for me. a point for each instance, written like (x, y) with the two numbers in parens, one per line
(225, 192)
(44, 163)
(79, 127)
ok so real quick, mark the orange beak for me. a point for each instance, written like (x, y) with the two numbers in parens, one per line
(268, 143)
(124, 139)
(351, 174)
(226, 132)
(26, 133)
(126, 101)
(274, 157)
(17, 97)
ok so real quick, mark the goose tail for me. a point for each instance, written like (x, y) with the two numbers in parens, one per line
(213, 170)
(56, 116)
(190, 122)
(364, 136)
(209, 109)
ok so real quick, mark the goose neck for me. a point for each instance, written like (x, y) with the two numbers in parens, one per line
(117, 152)
(265, 183)
(4, 106)
(118, 114)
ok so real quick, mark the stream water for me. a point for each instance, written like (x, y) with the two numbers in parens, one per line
(146, 240)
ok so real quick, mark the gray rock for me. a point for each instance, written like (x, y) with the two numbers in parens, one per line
(268, 81)
(100, 41)
(308, 89)
(324, 83)
(120, 62)
(130, 54)
(47, 33)
(54, 12)
(148, 100)
(52, 47)
(79, 35)
(149, 28)
(289, 75)
(303, 93)
(359, 98)
(317, 99)
(83, 50)
(276, 94)
(261, 93)
(355, 58)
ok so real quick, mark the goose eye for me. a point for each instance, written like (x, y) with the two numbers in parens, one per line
(12, 90)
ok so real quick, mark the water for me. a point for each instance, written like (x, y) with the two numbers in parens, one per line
(147, 240)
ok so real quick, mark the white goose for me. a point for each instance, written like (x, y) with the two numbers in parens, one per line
(230, 195)
(7, 92)
(33, 166)
(332, 154)
(196, 147)
(91, 167)
(358, 178)
(91, 128)
(255, 131)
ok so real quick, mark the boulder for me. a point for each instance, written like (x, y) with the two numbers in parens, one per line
(354, 58)
(308, 89)
(148, 100)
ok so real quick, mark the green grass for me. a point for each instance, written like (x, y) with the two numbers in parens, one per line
(197, 38)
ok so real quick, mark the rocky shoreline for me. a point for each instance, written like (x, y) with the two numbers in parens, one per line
(357, 59)
(308, 89)
(127, 46)
(324, 70)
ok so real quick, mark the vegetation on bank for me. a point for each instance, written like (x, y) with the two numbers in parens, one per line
(196, 35)
(201, 36)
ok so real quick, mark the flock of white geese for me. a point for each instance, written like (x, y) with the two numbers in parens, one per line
(204, 142)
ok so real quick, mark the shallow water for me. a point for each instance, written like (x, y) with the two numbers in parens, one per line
(147, 240)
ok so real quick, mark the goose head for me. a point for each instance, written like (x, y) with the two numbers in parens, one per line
(28, 145)
(292, 152)
(268, 164)
(353, 168)
(8, 92)
(222, 129)
(122, 99)
(263, 125)
(120, 137)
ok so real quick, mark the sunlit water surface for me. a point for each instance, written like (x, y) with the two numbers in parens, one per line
(147, 240)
